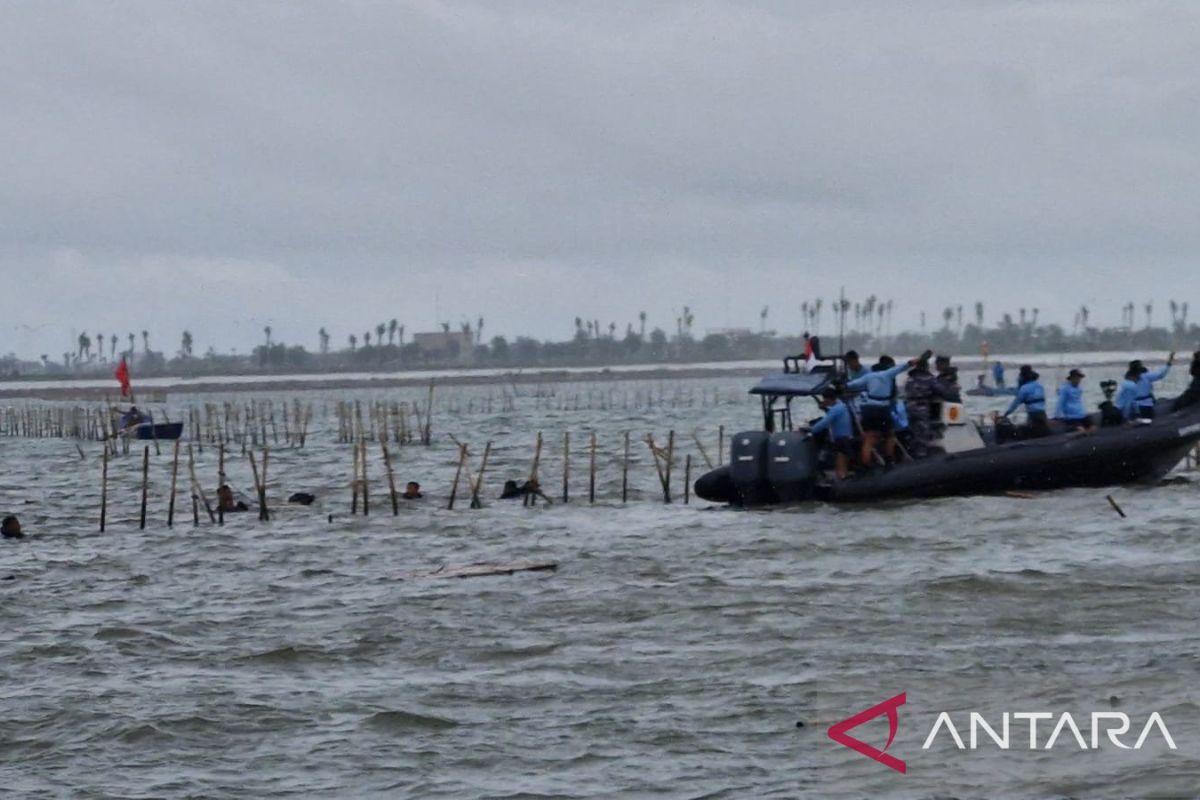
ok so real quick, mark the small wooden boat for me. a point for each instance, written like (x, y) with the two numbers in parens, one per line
(156, 430)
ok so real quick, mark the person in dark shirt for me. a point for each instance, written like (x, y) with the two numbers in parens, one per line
(1191, 395)
(10, 528)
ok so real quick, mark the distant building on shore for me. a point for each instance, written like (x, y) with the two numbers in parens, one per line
(445, 346)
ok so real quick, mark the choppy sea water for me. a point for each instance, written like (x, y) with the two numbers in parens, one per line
(672, 654)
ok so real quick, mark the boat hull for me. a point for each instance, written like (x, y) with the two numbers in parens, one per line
(1105, 457)
(158, 430)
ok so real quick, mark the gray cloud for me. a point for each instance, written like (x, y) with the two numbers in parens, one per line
(317, 164)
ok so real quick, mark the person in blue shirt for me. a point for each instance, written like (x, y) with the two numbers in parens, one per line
(1030, 394)
(837, 423)
(1070, 403)
(879, 388)
(998, 375)
(1135, 398)
(854, 366)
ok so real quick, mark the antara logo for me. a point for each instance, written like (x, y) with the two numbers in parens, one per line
(837, 732)
(1114, 725)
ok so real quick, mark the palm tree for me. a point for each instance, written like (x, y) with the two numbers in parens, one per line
(1149, 311)
(762, 319)
(479, 331)
(446, 327)
(1022, 318)
(922, 322)
(185, 345)
(353, 342)
(642, 322)
(132, 339)
(979, 314)
(145, 341)
(84, 344)
(817, 316)
(267, 331)
(112, 347)
(392, 325)
(1035, 317)
(400, 336)
(947, 315)
(323, 337)
(380, 330)
(612, 330)
(688, 317)
(958, 315)
(367, 339)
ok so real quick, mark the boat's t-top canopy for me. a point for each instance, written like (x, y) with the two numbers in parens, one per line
(793, 384)
(802, 376)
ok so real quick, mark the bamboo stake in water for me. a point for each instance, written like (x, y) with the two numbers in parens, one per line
(625, 471)
(670, 460)
(354, 484)
(174, 478)
(387, 463)
(592, 476)
(566, 465)
(462, 456)
(104, 490)
(362, 445)
(145, 486)
(687, 478)
(475, 502)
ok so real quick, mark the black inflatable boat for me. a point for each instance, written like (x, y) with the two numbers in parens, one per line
(782, 465)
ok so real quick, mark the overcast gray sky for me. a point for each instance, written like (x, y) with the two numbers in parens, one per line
(218, 167)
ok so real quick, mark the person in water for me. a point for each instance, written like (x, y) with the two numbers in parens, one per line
(1030, 394)
(836, 425)
(880, 387)
(412, 491)
(227, 503)
(1070, 408)
(1135, 398)
(998, 375)
(1191, 395)
(10, 528)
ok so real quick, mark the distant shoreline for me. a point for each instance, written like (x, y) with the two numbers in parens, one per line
(100, 389)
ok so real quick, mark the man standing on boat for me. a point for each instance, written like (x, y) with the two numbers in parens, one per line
(837, 422)
(1136, 396)
(1030, 394)
(1070, 403)
(880, 387)
(1191, 395)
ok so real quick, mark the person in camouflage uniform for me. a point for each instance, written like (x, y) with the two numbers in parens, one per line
(922, 392)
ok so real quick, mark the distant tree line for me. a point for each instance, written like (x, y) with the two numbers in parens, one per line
(865, 325)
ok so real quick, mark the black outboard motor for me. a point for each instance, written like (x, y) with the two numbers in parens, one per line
(748, 468)
(792, 466)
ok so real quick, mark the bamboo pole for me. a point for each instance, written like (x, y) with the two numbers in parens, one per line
(566, 465)
(670, 461)
(145, 486)
(104, 490)
(387, 463)
(354, 484)
(592, 469)
(197, 487)
(687, 478)
(362, 446)
(625, 471)
(174, 479)
(478, 483)
(462, 456)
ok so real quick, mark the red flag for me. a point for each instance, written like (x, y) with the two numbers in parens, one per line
(122, 375)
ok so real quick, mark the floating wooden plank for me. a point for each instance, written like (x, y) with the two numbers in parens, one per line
(485, 569)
